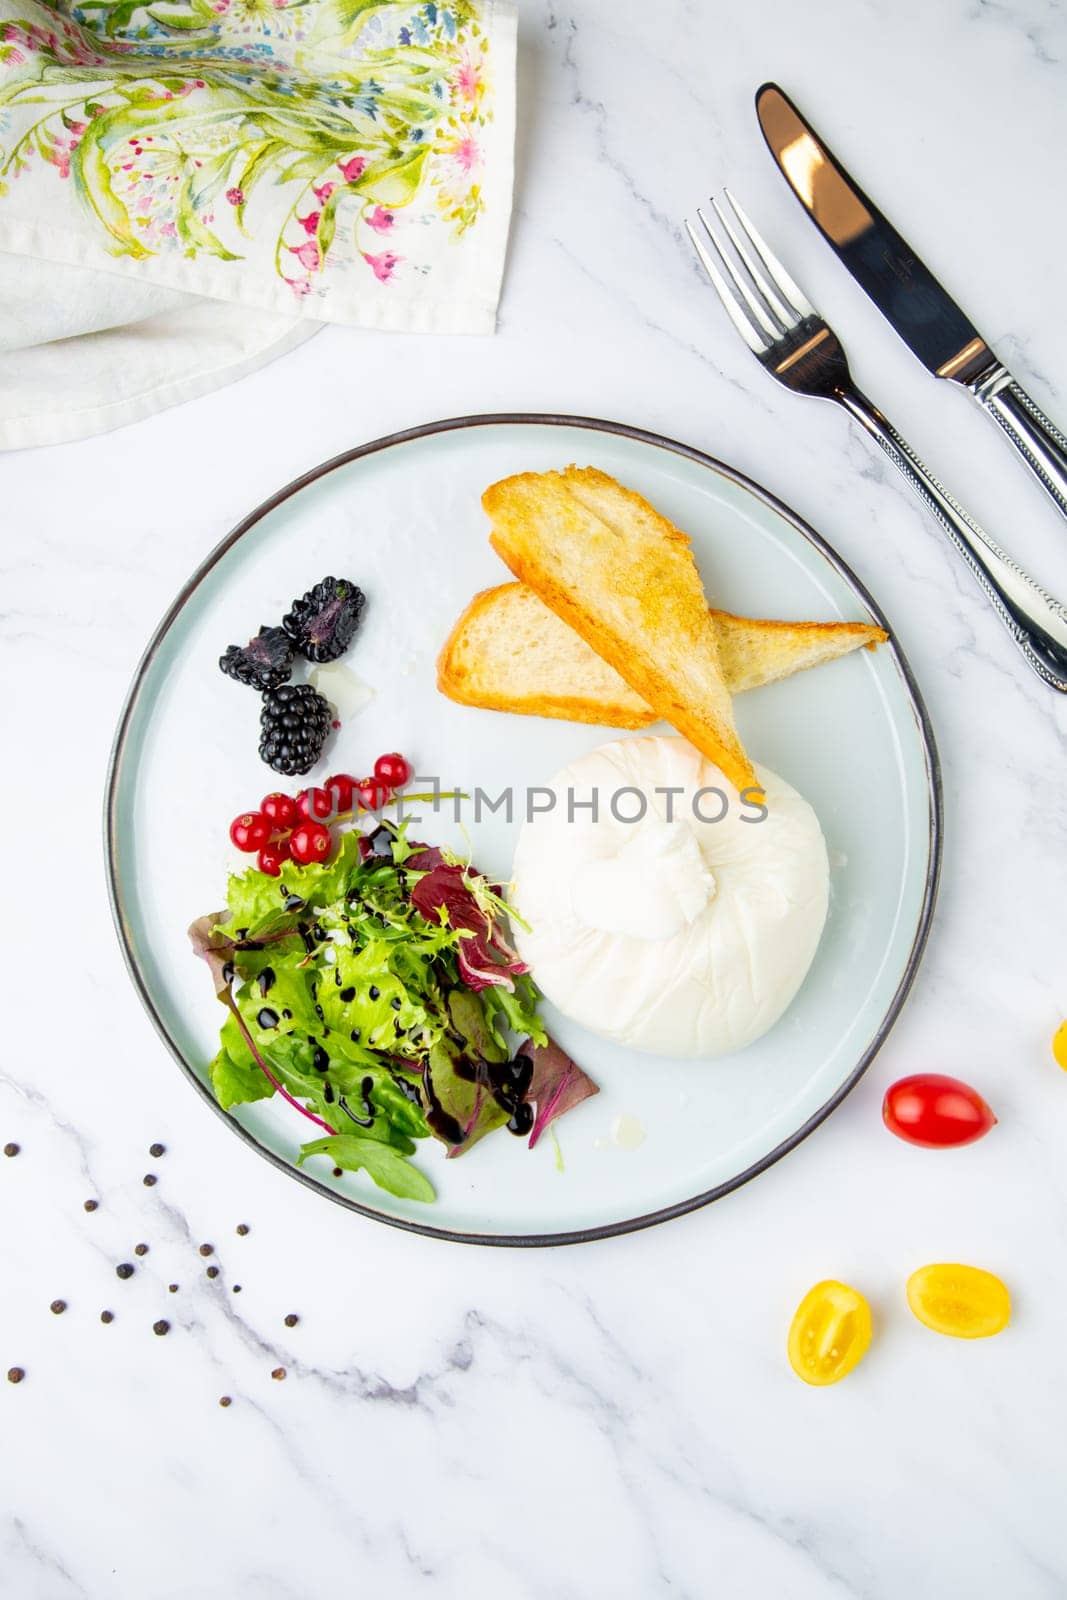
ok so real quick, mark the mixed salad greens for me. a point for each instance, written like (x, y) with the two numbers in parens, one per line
(380, 995)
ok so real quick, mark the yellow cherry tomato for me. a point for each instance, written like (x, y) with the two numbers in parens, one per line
(1059, 1046)
(964, 1302)
(830, 1333)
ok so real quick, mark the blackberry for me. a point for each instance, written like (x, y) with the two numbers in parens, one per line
(263, 663)
(294, 723)
(321, 624)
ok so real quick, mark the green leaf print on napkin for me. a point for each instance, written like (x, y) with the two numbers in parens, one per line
(208, 127)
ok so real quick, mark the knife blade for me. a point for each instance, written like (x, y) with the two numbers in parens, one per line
(905, 291)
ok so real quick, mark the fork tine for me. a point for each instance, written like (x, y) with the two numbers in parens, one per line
(748, 290)
(748, 329)
(789, 290)
(754, 326)
(786, 317)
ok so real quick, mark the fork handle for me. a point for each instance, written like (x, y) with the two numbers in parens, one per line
(1040, 443)
(1036, 622)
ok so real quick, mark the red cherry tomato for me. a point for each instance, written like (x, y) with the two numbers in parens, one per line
(250, 831)
(373, 794)
(280, 810)
(392, 770)
(342, 786)
(311, 841)
(931, 1110)
(316, 804)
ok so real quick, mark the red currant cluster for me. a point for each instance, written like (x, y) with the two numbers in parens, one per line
(294, 827)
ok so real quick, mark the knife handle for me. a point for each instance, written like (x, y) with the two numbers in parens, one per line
(1040, 443)
(1036, 622)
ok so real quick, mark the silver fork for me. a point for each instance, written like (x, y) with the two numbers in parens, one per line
(783, 329)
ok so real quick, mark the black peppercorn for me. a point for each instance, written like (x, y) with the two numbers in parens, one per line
(161, 1327)
(124, 1269)
(172, 1288)
(149, 1179)
(224, 1400)
(140, 1249)
(91, 1205)
(212, 1272)
(237, 1288)
(107, 1316)
(58, 1307)
(338, 1172)
(242, 1228)
(207, 1249)
(278, 1374)
(157, 1150)
(291, 1320)
(15, 1374)
(11, 1149)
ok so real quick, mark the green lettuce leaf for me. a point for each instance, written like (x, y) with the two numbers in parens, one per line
(235, 1076)
(516, 1010)
(360, 993)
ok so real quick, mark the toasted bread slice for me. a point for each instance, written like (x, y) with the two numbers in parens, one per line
(508, 652)
(624, 578)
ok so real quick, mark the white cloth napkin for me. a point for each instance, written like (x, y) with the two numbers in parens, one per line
(190, 187)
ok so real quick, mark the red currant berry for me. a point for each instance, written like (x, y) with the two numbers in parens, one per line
(342, 787)
(310, 841)
(393, 770)
(373, 795)
(273, 857)
(315, 803)
(250, 831)
(280, 810)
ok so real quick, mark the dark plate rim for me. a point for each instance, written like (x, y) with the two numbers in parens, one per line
(607, 1230)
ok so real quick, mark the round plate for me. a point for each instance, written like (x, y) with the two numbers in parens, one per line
(402, 517)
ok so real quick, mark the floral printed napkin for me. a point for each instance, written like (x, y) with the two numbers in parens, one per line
(335, 160)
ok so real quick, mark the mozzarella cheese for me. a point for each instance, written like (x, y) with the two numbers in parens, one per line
(652, 923)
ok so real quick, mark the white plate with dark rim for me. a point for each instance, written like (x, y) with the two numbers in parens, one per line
(402, 517)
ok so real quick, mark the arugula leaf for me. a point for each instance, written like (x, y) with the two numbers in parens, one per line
(404, 1115)
(389, 1170)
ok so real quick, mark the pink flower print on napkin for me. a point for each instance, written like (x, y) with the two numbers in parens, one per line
(307, 255)
(352, 169)
(469, 80)
(465, 153)
(383, 266)
(58, 157)
(380, 220)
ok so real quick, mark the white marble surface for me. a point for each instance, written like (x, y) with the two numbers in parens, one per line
(618, 1419)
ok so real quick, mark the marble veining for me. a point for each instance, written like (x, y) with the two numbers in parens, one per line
(617, 1420)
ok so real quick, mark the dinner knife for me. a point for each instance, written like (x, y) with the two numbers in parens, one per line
(905, 291)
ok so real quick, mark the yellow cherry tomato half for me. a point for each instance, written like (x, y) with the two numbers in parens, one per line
(963, 1302)
(1059, 1046)
(830, 1333)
